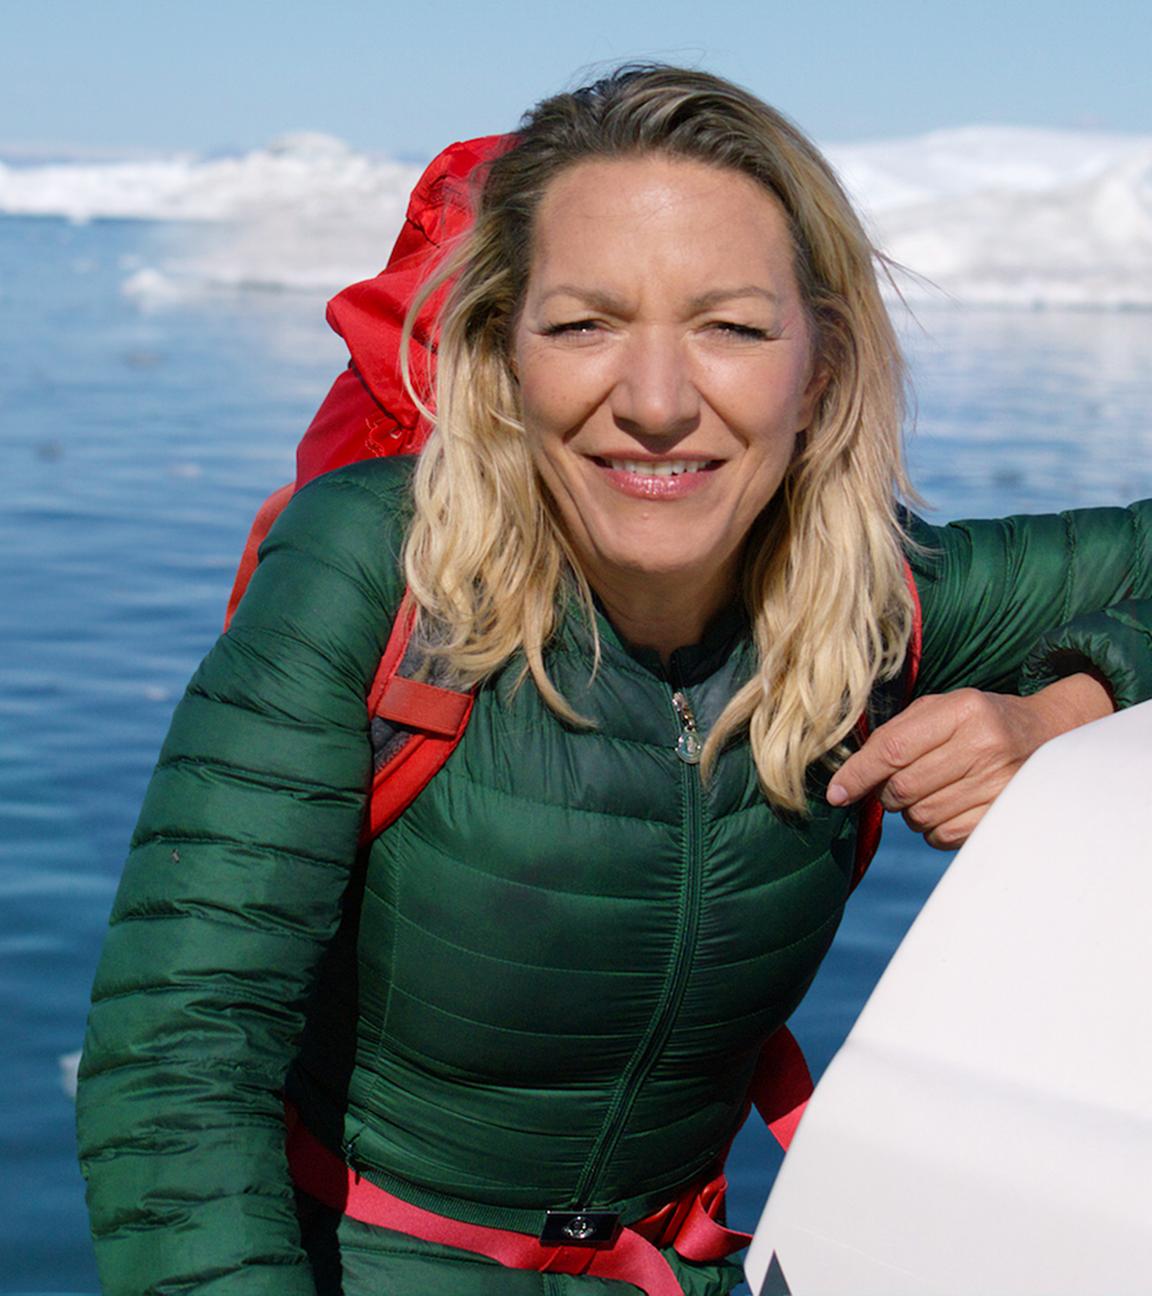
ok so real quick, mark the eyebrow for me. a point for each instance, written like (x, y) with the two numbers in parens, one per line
(719, 295)
(600, 300)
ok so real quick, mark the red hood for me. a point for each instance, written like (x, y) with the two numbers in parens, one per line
(370, 315)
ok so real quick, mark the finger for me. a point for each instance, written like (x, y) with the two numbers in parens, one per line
(954, 833)
(927, 724)
(951, 803)
(946, 766)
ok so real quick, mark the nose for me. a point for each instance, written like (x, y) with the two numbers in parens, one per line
(654, 394)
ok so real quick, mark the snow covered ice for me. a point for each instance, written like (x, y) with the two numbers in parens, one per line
(989, 215)
(1009, 216)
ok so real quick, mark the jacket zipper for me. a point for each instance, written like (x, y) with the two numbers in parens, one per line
(688, 747)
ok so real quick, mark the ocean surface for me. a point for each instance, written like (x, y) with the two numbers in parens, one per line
(138, 434)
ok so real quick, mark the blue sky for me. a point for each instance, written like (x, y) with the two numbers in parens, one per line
(406, 78)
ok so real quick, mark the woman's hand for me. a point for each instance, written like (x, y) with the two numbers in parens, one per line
(944, 760)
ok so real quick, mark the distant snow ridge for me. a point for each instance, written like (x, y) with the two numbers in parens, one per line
(1009, 216)
(988, 215)
(307, 173)
(306, 212)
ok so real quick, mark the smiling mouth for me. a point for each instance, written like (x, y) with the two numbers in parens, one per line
(657, 467)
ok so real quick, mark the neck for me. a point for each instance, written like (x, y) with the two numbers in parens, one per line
(664, 613)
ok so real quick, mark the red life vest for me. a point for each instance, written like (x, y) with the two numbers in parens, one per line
(369, 413)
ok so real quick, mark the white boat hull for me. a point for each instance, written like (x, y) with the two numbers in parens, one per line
(987, 1126)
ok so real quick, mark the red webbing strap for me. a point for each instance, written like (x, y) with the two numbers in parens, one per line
(870, 827)
(690, 1224)
(394, 651)
(398, 783)
(268, 512)
(632, 1258)
(423, 706)
(916, 642)
(781, 1085)
(439, 715)
(871, 820)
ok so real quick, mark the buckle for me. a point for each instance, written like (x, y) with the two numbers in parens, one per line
(582, 1228)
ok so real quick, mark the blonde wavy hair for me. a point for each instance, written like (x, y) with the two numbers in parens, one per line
(487, 560)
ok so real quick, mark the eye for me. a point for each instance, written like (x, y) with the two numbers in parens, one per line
(743, 332)
(572, 328)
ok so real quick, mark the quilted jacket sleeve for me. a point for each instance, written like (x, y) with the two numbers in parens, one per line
(1014, 604)
(232, 888)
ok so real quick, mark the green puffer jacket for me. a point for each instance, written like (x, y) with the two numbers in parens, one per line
(546, 985)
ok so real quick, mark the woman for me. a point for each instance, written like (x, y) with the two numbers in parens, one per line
(655, 532)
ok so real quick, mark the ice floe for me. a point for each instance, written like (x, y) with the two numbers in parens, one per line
(994, 215)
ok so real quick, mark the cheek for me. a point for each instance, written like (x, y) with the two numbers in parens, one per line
(541, 432)
(557, 397)
(535, 382)
(537, 401)
(765, 407)
(542, 410)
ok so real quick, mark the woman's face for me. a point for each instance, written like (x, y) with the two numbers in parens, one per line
(665, 365)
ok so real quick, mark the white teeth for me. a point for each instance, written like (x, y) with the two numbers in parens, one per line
(662, 468)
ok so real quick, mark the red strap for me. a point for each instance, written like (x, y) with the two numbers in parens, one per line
(440, 711)
(916, 642)
(268, 512)
(398, 783)
(423, 706)
(634, 1256)
(781, 1085)
(871, 822)
(691, 1224)
(869, 829)
(394, 651)
(439, 715)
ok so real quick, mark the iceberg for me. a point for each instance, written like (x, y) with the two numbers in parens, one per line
(304, 213)
(1010, 217)
(1002, 216)
(306, 174)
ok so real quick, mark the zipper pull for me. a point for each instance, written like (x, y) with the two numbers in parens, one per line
(349, 1150)
(689, 745)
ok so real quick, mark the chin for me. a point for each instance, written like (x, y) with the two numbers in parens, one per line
(658, 565)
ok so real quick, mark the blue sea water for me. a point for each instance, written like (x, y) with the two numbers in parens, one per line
(136, 445)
